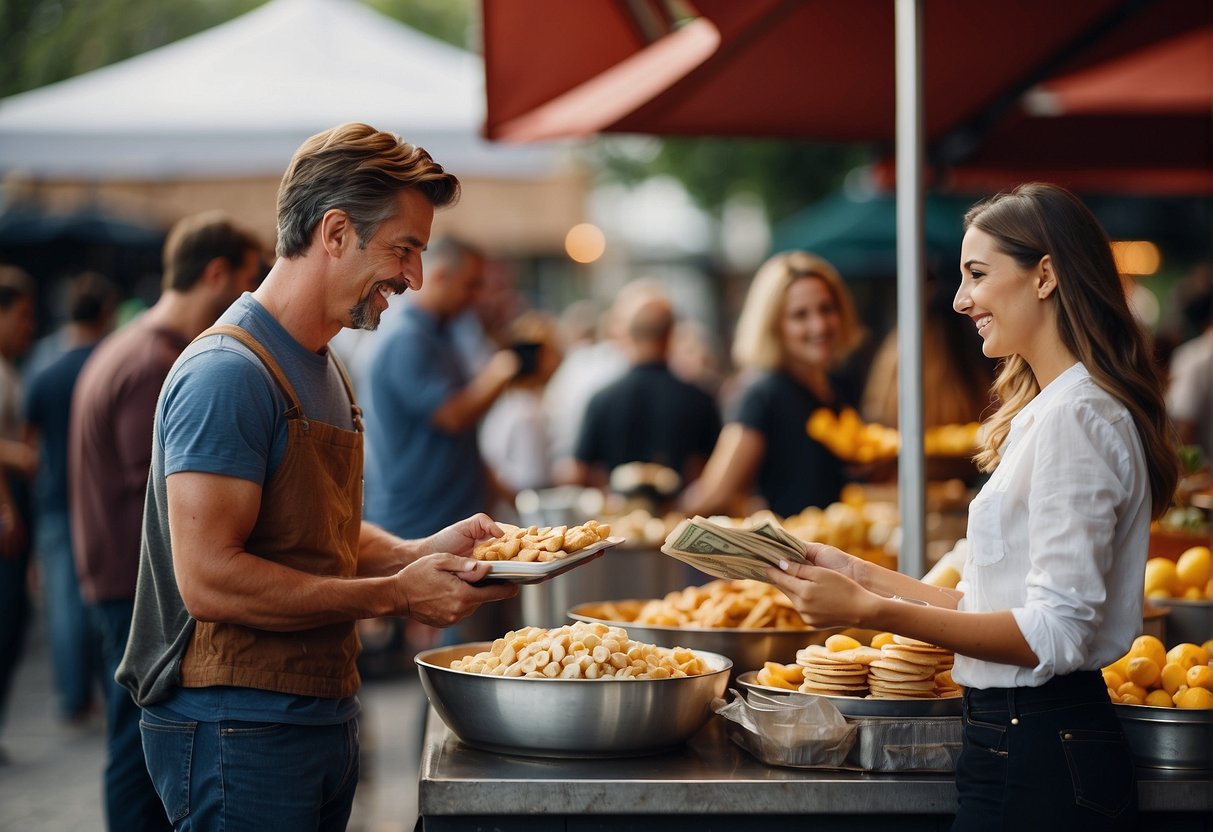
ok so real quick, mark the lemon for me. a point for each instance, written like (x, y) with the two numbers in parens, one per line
(1174, 676)
(1195, 698)
(838, 642)
(1186, 655)
(1143, 671)
(1200, 676)
(1131, 699)
(1208, 648)
(1149, 647)
(1112, 679)
(1132, 689)
(1192, 569)
(1159, 699)
(1161, 576)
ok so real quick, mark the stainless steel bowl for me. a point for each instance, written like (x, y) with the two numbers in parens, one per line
(1174, 738)
(748, 648)
(569, 717)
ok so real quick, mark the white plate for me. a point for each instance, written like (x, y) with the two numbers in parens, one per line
(522, 572)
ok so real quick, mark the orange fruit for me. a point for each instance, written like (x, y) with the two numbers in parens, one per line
(1186, 655)
(1208, 648)
(1192, 569)
(1174, 676)
(1143, 671)
(1131, 689)
(1195, 698)
(1159, 699)
(1112, 679)
(1161, 577)
(1200, 676)
(1131, 699)
(1149, 647)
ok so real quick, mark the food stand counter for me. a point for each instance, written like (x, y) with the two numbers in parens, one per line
(712, 785)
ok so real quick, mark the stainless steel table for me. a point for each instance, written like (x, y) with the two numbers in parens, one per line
(710, 784)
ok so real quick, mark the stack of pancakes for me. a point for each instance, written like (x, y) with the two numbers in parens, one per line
(903, 668)
(911, 669)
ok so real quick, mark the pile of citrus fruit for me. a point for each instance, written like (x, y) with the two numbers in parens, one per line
(1150, 674)
(849, 437)
(1186, 578)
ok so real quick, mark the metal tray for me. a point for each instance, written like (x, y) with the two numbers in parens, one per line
(860, 706)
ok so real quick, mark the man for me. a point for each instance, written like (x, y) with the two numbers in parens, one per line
(255, 561)
(208, 262)
(91, 299)
(649, 415)
(423, 465)
(17, 464)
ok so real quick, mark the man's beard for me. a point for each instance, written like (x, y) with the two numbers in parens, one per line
(364, 315)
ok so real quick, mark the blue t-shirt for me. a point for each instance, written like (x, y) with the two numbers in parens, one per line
(417, 479)
(222, 413)
(48, 402)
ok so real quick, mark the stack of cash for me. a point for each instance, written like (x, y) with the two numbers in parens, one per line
(731, 552)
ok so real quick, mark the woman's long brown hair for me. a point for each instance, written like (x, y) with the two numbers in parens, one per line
(1093, 319)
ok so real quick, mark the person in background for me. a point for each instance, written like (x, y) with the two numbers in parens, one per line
(208, 262)
(956, 381)
(1190, 390)
(593, 358)
(797, 325)
(513, 434)
(1082, 456)
(649, 415)
(17, 465)
(423, 465)
(75, 648)
(256, 561)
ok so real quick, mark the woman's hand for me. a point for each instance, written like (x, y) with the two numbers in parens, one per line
(829, 557)
(825, 596)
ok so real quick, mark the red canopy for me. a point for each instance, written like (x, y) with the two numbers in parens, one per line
(820, 69)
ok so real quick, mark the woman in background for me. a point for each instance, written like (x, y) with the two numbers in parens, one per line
(797, 325)
(1081, 457)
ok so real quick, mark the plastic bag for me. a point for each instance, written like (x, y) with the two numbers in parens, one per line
(806, 731)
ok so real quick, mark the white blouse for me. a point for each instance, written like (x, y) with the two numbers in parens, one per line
(1059, 535)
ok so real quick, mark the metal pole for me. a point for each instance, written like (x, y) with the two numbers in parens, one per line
(911, 479)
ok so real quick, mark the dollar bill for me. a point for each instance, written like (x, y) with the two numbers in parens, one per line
(731, 552)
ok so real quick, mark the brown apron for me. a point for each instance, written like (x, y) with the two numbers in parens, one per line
(310, 520)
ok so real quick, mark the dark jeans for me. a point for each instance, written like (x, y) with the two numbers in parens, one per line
(73, 637)
(131, 802)
(1050, 757)
(254, 776)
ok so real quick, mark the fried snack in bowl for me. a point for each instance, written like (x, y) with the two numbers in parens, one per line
(749, 621)
(631, 711)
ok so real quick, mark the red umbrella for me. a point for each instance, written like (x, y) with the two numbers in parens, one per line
(820, 69)
(1140, 122)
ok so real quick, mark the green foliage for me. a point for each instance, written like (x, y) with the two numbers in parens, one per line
(785, 175)
(448, 20)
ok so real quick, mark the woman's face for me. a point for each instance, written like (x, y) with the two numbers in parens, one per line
(810, 326)
(1000, 297)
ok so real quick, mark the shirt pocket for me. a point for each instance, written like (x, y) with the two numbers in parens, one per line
(986, 545)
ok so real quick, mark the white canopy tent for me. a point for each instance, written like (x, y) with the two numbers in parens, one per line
(236, 100)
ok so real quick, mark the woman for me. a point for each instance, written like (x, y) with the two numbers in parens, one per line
(1082, 458)
(797, 325)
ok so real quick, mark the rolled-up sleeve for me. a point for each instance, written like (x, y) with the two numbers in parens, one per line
(1077, 491)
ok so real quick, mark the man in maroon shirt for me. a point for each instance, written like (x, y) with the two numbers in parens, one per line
(208, 263)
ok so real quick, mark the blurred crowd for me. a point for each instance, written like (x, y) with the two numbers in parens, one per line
(471, 394)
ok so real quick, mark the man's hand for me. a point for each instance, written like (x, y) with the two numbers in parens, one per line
(437, 589)
(459, 538)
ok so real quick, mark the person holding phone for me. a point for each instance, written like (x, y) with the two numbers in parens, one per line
(1081, 456)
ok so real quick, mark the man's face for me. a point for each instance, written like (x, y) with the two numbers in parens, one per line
(391, 261)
